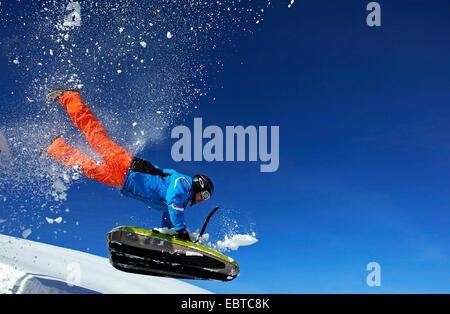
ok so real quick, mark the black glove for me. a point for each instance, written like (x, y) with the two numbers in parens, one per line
(183, 234)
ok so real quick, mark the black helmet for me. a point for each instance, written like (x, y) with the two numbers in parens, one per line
(204, 185)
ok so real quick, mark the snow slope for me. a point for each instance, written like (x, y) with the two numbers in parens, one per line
(33, 267)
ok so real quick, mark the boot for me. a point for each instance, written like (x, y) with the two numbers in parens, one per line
(44, 151)
(55, 94)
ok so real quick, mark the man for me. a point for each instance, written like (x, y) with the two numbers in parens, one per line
(162, 189)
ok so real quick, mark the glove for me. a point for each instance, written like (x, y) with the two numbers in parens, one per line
(183, 234)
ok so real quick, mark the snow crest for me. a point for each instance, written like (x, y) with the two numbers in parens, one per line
(236, 241)
(28, 267)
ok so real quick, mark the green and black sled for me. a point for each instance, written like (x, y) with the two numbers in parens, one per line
(149, 252)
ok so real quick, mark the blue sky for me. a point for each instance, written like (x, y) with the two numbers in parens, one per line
(364, 175)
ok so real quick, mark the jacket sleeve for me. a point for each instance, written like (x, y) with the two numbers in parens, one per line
(177, 198)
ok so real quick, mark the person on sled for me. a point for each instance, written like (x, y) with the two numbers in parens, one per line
(162, 189)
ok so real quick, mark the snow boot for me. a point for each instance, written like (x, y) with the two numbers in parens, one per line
(44, 151)
(55, 94)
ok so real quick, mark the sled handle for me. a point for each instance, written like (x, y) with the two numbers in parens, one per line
(205, 224)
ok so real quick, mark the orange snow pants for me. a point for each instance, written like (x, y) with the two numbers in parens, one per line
(116, 159)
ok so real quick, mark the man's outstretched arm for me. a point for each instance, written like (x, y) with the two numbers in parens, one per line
(177, 198)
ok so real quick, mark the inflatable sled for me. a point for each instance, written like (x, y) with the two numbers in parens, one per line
(148, 252)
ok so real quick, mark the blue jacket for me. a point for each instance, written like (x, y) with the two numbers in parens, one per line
(162, 189)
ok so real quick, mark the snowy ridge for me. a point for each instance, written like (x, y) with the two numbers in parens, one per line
(28, 267)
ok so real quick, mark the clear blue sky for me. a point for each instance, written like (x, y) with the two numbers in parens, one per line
(364, 149)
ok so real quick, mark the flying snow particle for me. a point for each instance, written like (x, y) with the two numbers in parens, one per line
(143, 44)
(169, 35)
(76, 176)
(236, 241)
(26, 233)
(59, 186)
(51, 221)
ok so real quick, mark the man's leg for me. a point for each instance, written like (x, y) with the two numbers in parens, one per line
(71, 157)
(165, 220)
(114, 156)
